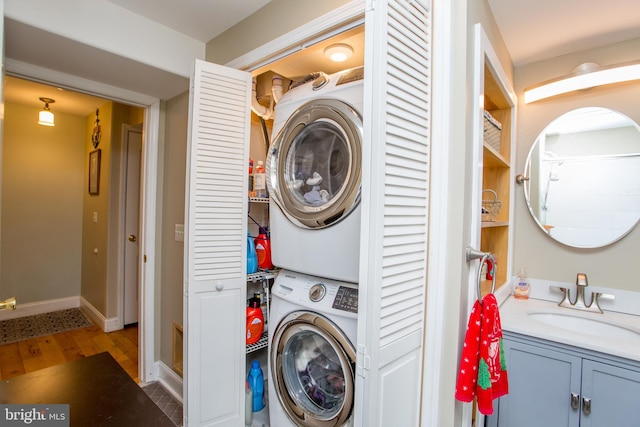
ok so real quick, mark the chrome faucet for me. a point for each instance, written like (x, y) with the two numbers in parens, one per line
(579, 303)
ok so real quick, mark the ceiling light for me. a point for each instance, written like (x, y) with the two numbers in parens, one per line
(584, 77)
(45, 117)
(338, 52)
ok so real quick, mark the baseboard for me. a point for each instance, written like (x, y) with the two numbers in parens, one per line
(40, 307)
(106, 324)
(171, 381)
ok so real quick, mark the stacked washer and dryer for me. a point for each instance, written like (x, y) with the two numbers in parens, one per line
(313, 177)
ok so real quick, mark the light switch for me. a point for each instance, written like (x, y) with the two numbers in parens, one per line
(95, 217)
(179, 233)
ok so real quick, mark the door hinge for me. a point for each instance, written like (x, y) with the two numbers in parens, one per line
(363, 362)
(371, 5)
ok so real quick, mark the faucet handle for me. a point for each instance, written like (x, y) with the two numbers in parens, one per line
(566, 298)
(581, 280)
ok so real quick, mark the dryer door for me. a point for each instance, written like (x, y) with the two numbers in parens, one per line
(314, 163)
(313, 367)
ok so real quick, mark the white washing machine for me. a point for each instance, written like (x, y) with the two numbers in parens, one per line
(314, 175)
(312, 356)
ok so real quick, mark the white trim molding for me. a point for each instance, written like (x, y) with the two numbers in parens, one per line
(40, 307)
(106, 324)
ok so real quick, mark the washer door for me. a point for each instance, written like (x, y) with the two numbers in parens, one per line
(313, 367)
(314, 164)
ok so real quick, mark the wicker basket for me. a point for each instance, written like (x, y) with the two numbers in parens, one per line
(492, 129)
(490, 207)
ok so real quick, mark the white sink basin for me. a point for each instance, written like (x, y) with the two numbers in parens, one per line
(584, 323)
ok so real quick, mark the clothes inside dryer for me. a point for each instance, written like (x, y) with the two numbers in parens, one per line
(320, 163)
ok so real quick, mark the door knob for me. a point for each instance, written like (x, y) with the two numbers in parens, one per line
(132, 238)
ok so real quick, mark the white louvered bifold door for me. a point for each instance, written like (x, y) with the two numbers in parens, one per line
(395, 203)
(215, 246)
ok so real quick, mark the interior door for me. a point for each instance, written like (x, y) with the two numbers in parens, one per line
(395, 196)
(133, 144)
(215, 246)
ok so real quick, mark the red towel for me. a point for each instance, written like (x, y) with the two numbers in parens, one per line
(483, 371)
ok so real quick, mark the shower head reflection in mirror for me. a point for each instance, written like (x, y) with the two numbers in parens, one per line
(583, 171)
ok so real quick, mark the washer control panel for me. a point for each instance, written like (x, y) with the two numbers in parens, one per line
(326, 296)
(346, 299)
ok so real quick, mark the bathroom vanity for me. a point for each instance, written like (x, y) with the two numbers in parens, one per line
(568, 368)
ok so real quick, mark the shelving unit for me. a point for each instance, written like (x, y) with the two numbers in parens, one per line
(497, 174)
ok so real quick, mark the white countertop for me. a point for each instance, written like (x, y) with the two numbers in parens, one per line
(514, 318)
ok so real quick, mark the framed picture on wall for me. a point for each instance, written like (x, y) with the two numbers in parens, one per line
(94, 172)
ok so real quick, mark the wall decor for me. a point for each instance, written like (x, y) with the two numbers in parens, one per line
(94, 172)
(97, 132)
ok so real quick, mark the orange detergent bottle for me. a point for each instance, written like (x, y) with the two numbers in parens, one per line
(255, 321)
(262, 244)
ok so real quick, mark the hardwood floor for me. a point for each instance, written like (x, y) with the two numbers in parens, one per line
(37, 353)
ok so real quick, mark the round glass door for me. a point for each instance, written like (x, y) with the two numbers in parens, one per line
(314, 164)
(313, 365)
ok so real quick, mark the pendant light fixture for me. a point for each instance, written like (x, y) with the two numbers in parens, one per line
(585, 76)
(45, 117)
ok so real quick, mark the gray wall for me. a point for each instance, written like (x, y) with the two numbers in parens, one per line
(611, 266)
(173, 190)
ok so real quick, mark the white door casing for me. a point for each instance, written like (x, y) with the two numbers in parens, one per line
(395, 185)
(215, 246)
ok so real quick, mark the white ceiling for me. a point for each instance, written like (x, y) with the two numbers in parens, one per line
(542, 29)
(532, 30)
(202, 20)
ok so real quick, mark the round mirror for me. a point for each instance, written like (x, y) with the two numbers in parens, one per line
(583, 170)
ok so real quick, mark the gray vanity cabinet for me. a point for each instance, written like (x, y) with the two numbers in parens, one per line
(553, 385)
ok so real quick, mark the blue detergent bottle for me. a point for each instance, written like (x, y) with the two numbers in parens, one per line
(256, 381)
(252, 256)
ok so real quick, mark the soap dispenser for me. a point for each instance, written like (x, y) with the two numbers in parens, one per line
(521, 286)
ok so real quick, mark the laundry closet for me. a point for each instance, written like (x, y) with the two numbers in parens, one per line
(345, 322)
(306, 129)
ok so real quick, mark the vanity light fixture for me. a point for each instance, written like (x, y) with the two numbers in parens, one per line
(585, 76)
(338, 52)
(45, 117)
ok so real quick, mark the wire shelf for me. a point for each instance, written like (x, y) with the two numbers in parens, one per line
(263, 342)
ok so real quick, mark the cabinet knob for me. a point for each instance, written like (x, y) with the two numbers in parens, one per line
(575, 401)
(219, 286)
(586, 405)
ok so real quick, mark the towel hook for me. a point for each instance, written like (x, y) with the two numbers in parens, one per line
(486, 257)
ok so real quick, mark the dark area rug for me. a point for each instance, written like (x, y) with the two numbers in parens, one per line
(38, 325)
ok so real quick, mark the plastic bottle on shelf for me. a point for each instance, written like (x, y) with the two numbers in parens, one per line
(260, 180)
(252, 192)
(248, 404)
(255, 321)
(256, 381)
(263, 249)
(252, 256)
(521, 287)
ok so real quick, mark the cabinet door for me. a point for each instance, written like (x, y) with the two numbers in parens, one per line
(215, 246)
(541, 382)
(613, 393)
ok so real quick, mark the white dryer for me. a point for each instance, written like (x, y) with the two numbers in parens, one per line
(314, 169)
(312, 356)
